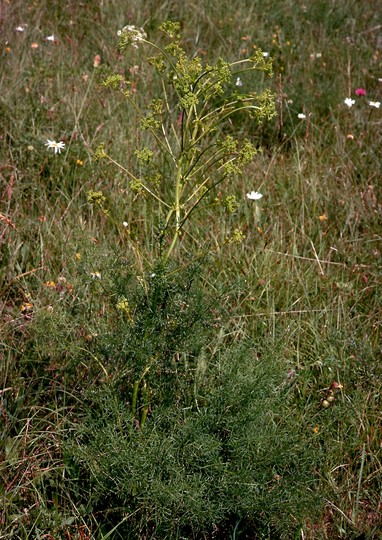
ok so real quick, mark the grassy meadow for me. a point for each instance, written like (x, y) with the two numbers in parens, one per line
(206, 370)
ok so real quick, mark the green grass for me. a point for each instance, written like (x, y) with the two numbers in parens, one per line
(203, 417)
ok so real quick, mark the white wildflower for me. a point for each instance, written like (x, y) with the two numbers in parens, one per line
(57, 146)
(301, 116)
(136, 35)
(349, 102)
(254, 195)
(375, 104)
(239, 82)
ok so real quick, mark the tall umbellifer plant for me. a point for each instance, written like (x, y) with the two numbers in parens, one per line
(192, 151)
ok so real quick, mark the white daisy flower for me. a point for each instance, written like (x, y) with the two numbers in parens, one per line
(57, 146)
(302, 116)
(349, 102)
(375, 104)
(254, 195)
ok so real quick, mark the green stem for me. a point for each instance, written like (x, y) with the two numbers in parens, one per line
(177, 208)
(355, 511)
(146, 404)
(193, 207)
(134, 402)
(135, 178)
(161, 145)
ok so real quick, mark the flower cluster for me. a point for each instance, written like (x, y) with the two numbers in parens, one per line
(360, 92)
(131, 35)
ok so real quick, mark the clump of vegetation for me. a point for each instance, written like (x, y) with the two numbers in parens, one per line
(224, 458)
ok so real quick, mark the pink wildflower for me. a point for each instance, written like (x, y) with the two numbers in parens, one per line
(360, 92)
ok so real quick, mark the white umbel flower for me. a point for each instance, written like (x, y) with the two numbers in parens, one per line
(136, 34)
